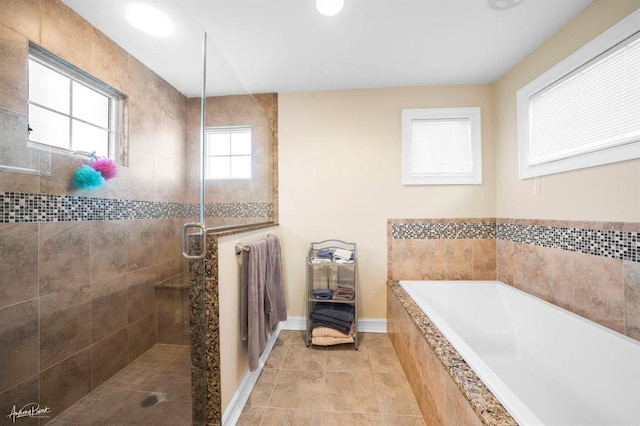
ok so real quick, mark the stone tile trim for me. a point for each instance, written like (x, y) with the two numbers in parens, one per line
(444, 229)
(606, 239)
(239, 210)
(616, 244)
(24, 207)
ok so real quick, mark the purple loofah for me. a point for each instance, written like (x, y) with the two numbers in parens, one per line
(87, 178)
(108, 168)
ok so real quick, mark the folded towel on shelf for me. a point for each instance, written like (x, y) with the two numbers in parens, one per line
(328, 341)
(338, 311)
(345, 292)
(330, 320)
(345, 329)
(321, 331)
(325, 253)
(322, 293)
(346, 297)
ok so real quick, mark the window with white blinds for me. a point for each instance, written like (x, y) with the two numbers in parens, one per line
(585, 111)
(441, 146)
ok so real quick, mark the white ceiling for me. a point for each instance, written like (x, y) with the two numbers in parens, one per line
(264, 46)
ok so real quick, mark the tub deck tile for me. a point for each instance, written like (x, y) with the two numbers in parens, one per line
(482, 401)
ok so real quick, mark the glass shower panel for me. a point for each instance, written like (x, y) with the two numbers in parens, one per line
(240, 188)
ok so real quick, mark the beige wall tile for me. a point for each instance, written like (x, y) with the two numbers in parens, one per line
(66, 382)
(141, 336)
(19, 336)
(26, 392)
(484, 259)
(14, 94)
(458, 260)
(108, 299)
(18, 262)
(504, 261)
(459, 412)
(557, 276)
(66, 34)
(140, 243)
(108, 356)
(599, 290)
(632, 299)
(108, 249)
(23, 16)
(141, 293)
(65, 324)
(64, 249)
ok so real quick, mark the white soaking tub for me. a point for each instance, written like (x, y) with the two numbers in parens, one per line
(544, 364)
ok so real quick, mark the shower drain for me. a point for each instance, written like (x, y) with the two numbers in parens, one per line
(153, 399)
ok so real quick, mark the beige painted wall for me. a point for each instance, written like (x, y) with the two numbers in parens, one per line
(340, 177)
(603, 193)
(234, 359)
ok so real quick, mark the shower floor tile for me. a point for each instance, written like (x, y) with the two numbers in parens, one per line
(155, 389)
(331, 385)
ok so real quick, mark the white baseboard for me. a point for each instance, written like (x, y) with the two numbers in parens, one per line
(240, 398)
(234, 410)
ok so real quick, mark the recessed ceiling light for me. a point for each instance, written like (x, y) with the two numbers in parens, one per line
(329, 7)
(504, 4)
(149, 20)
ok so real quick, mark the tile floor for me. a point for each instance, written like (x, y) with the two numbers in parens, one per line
(331, 386)
(299, 386)
(155, 389)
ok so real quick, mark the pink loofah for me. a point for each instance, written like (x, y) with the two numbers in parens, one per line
(108, 168)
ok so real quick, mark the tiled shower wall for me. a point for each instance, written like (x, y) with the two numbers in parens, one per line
(77, 268)
(589, 268)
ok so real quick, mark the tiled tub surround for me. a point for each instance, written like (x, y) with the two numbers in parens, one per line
(447, 390)
(545, 364)
(439, 249)
(589, 268)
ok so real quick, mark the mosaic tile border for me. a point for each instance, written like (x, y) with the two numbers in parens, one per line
(18, 207)
(443, 231)
(239, 210)
(615, 244)
(621, 245)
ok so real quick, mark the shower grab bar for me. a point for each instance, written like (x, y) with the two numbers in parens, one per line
(185, 242)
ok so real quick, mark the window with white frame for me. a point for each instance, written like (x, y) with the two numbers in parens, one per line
(70, 110)
(441, 146)
(228, 153)
(585, 111)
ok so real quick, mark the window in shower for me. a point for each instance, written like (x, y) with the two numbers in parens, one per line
(585, 111)
(228, 152)
(70, 110)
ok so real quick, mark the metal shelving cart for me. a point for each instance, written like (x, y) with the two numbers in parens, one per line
(329, 267)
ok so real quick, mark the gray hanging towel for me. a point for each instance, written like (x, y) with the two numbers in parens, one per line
(276, 302)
